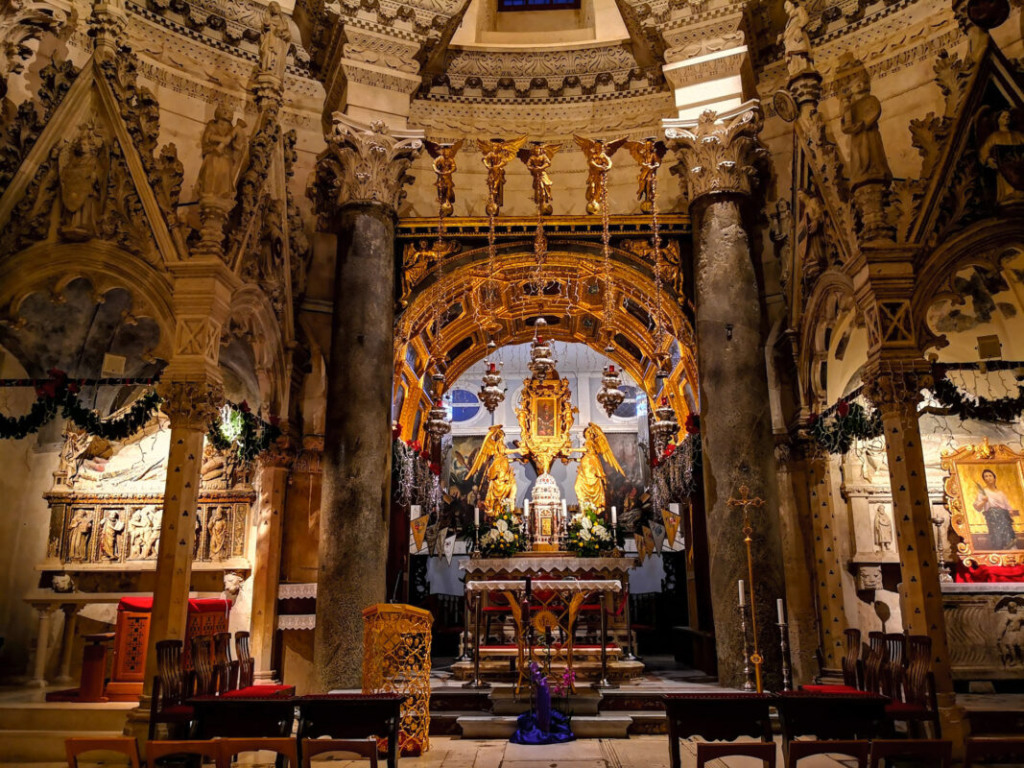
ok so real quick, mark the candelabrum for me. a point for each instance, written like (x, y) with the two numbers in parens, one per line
(787, 680)
(748, 671)
(476, 541)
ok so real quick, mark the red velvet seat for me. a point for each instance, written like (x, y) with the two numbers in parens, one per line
(260, 691)
(844, 689)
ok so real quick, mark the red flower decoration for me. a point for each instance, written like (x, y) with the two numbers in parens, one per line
(843, 409)
(692, 424)
(670, 449)
(415, 445)
(655, 462)
(435, 468)
(425, 455)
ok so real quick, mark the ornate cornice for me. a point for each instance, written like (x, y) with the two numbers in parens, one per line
(719, 153)
(363, 165)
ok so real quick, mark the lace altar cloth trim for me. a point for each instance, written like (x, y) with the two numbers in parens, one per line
(569, 585)
(296, 591)
(541, 566)
(297, 622)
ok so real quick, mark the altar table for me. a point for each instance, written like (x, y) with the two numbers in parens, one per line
(561, 599)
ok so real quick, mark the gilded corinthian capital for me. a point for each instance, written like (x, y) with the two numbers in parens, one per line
(363, 165)
(719, 153)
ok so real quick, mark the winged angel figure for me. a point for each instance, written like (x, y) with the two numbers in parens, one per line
(648, 155)
(537, 159)
(496, 155)
(444, 167)
(599, 161)
(500, 475)
(591, 480)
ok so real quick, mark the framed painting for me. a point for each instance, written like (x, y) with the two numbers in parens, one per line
(985, 497)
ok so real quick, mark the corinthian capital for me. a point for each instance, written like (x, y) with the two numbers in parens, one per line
(719, 153)
(191, 404)
(894, 386)
(363, 165)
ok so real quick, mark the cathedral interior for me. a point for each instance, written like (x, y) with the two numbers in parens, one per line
(671, 344)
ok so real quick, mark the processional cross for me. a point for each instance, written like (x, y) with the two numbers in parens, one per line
(746, 503)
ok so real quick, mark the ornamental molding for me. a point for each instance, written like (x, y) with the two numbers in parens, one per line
(191, 405)
(719, 153)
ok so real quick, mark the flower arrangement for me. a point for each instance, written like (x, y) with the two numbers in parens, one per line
(588, 534)
(505, 537)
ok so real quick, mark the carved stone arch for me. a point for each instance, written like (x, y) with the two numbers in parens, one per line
(983, 244)
(831, 300)
(50, 268)
(253, 322)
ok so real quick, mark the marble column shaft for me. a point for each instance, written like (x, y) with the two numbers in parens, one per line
(357, 443)
(67, 642)
(266, 575)
(721, 156)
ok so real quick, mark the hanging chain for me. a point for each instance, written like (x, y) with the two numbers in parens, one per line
(607, 257)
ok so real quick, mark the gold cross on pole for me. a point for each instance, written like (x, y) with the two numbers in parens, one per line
(746, 503)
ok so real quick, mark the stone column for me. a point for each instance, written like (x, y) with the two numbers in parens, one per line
(719, 155)
(895, 388)
(67, 642)
(266, 576)
(359, 184)
(45, 612)
(190, 406)
(827, 566)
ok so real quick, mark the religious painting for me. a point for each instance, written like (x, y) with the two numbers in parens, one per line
(462, 492)
(545, 417)
(985, 497)
(625, 491)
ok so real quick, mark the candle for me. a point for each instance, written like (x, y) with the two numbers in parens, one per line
(615, 517)
(526, 510)
(781, 610)
(743, 594)
(565, 510)
(476, 516)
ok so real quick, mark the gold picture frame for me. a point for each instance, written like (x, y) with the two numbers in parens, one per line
(545, 416)
(984, 491)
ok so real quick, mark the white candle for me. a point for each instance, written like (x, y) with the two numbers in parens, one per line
(782, 611)
(615, 518)
(476, 516)
(743, 594)
(526, 510)
(565, 510)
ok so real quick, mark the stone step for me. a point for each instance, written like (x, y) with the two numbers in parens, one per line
(38, 716)
(585, 727)
(38, 746)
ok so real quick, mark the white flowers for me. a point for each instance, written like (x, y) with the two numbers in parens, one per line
(601, 532)
(584, 534)
(501, 526)
(587, 523)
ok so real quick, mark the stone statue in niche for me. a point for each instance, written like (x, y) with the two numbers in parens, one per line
(882, 529)
(274, 41)
(223, 144)
(1011, 637)
(810, 237)
(872, 457)
(80, 529)
(218, 529)
(83, 165)
(138, 527)
(110, 535)
(1003, 151)
(153, 532)
(795, 40)
(860, 114)
(779, 229)
(171, 171)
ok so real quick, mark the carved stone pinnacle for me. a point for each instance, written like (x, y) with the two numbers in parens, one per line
(719, 153)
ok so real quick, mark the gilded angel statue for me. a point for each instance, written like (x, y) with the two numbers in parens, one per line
(599, 162)
(444, 166)
(648, 154)
(537, 159)
(496, 155)
(500, 475)
(591, 479)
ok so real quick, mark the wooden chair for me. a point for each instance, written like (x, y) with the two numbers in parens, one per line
(929, 753)
(895, 664)
(171, 689)
(246, 668)
(858, 750)
(853, 669)
(874, 664)
(352, 716)
(763, 750)
(917, 704)
(202, 664)
(994, 750)
(286, 748)
(125, 745)
(313, 747)
(830, 716)
(225, 670)
(159, 750)
(716, 716)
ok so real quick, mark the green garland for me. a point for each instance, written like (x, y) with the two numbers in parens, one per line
(837, 431)
(61, 394)
(1001, 409)
(243, 431)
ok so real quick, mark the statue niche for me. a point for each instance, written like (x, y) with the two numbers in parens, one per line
(83, 167)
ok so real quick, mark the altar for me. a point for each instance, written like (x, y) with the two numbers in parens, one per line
(569, 612)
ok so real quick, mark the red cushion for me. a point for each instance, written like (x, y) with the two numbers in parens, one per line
(830, 689)
(902, 708)
(260, 691)
(195, 605)
(179, 710)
